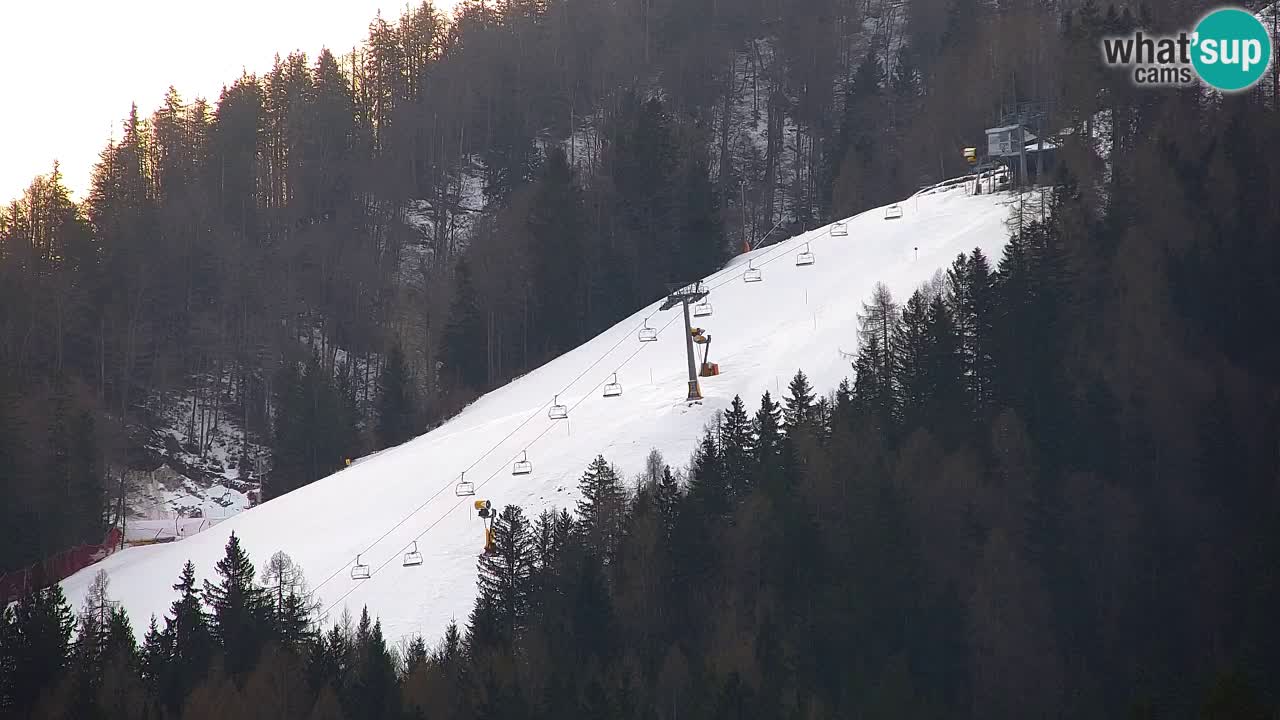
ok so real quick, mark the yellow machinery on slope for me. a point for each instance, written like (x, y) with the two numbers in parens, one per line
(486, 512)
(708, 369)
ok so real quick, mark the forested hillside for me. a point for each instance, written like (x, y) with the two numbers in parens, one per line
(344, 250)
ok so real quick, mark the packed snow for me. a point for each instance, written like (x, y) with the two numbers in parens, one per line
(797, 318)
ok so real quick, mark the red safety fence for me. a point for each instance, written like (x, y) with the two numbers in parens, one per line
(55, 569)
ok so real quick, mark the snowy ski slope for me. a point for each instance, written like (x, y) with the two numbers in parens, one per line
(797, 317)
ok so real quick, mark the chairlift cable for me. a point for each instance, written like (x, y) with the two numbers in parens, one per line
(730, 278)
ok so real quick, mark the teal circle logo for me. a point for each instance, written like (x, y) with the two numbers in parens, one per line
(1232, 49)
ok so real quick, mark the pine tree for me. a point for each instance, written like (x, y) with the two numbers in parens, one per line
(557, 233)
(797, 414)
(667, 497)
(154, 658)
(910, 358)
(374, 689)
(464, 336)
(944, 373)
(737, 448)
(506, 577)
(239, 609)
(708, 486)
(187, 642)
(970, 298)
(39, 638)
(602, 508)
(396, 414)
(700, 246)
(415, 655)
(767, 426)
(290, 435)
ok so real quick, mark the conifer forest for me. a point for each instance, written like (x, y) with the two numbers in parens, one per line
(1048, 488)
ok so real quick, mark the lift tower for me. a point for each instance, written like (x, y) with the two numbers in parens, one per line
(683, 295)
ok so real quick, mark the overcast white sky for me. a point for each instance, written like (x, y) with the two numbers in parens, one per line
(70, 68)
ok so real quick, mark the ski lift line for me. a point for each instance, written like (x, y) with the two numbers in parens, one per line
(486, 454)
(478, 485)
(427, 529)
(779, 247)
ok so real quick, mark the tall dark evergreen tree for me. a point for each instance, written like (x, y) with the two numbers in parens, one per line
(397, 417)
(239, 609)
(601, 508)
(798, 405)
(37, 646)
(557, 233)
(187, 646)
(506, 577)
(464, 337)
(737, 448)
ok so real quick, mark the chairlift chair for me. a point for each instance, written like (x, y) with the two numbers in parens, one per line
(413, 557)
(522, 466)
(464, 488)
(614, 388)
(359, 571)
(805, 257)
(557, 411)
(893, 212)
(648, 334)
(702, 309)
(839, 229)
(752, 275)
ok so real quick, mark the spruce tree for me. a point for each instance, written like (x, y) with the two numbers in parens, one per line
(944, 373)
(769, 443)
(708, 486)
(557, 232)
(737, 448)
(667, 497)
(506, 577)
(154, 658)
(798, 410)
(465, 345)
(289, 438)
(601, 508)
(396, 414)
(239, 608)
(187, 641)
(40, 643)
(910, 358)
(374, 692)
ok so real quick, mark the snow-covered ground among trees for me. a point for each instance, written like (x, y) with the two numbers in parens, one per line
(762, 333)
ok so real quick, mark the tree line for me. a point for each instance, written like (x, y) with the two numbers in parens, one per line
(997, 516)
(294, 256)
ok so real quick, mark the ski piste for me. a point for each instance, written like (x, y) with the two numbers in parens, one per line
(802, 311)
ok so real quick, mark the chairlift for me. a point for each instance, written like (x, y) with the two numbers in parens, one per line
(464, 488)
(613, 389)
(360, 571)
(840, 229)
(702, 309)
(413, 557)
(805, 257)
(522, 466)
(557, 411)
(752, 275)
(648, 334)
(893, 212)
